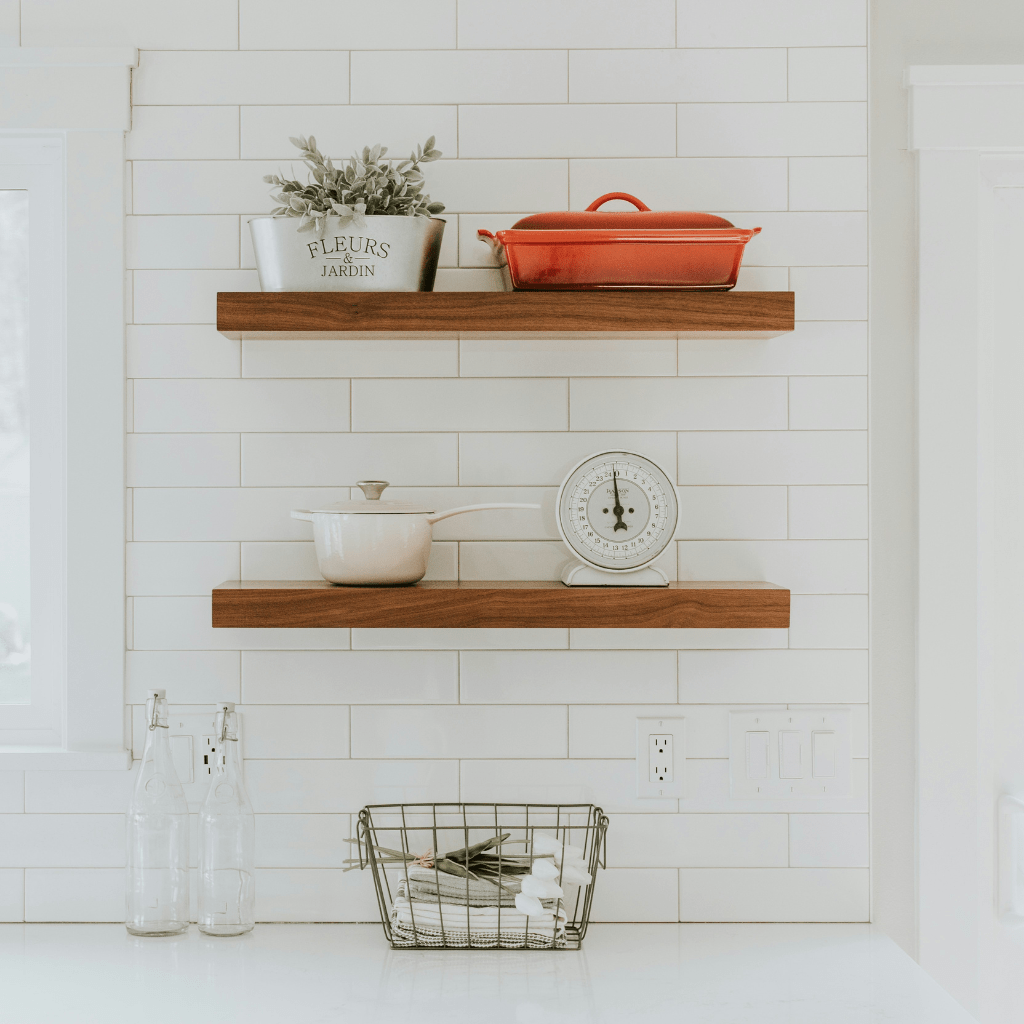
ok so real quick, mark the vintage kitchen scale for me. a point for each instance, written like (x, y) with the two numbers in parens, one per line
(617, 512)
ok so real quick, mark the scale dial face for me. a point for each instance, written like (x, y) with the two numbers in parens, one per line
(617, 511)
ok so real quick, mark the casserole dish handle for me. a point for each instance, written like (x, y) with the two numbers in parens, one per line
(483, 235)
(477, 508)
(608, 196)
(302, 513)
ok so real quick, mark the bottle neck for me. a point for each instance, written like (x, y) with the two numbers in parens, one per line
(226, 730)
(158, 745)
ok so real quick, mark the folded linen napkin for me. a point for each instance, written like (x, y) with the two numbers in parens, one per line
(427, 884)
(415, 922)
(424, 893)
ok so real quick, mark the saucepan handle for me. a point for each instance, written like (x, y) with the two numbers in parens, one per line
(608, 196)
(302, 513)
(477, 508)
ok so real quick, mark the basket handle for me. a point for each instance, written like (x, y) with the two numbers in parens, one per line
(601, 200)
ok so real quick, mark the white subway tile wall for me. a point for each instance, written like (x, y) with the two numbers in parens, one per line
(754, 110)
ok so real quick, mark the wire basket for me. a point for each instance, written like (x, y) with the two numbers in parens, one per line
(466, 898)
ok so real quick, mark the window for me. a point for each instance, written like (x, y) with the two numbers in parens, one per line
(62, 134)
(32, 561)
(15, 563)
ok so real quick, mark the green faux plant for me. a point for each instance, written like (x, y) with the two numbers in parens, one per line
(366, 185)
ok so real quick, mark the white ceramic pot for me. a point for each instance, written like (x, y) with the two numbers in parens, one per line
(377, 543)
(377, 254)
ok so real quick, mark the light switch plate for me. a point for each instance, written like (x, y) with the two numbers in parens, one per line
(673, 730)
(808, 753)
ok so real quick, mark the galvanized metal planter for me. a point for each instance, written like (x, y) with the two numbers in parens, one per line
(381, 254)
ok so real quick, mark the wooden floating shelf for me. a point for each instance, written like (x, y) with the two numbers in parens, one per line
(287, 314)
(491, 605)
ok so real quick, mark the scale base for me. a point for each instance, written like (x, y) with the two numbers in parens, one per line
(576, 574)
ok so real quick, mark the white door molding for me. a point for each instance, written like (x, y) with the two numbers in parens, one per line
(967, 127)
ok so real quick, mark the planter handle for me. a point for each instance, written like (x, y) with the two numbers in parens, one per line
(601, 200)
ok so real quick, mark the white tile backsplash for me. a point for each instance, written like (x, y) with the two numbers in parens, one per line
(828, 73)
(183, 460)
(772, 129)
(508, 731)
(514, 24)
(62, 840)
(459, 76)
(567, 130)
(74, 894)
(773, 894)
(682, 403)
(377, 356)
(340, 130)
(431, 405)
(773, 23)
(350, 677)
(183, 133)
(181, 243)
(241, 405)
(828, 840)
(181, 350)
(12, 792)
(326, 460)
(755, 111)
(773, 457)
(12, 894)
(698, 840)
(567, 677)
(411, 24)
(203, 24)
(706, 183)
(677, 75)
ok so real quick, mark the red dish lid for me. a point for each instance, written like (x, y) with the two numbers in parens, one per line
(643, 217)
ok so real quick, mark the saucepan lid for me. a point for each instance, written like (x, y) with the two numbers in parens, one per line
(642, 217)
(372, 504)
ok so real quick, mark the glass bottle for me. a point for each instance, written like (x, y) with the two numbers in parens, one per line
(227, 838)
(157, 877)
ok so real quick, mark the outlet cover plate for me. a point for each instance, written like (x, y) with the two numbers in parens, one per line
(645, 728)
(193, 734)
(791, 731)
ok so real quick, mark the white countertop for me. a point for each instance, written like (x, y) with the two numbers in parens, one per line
(305, 974)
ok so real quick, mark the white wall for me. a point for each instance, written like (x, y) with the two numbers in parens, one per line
(754, 110)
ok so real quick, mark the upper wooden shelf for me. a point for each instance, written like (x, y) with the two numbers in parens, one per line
(505, 604)
(286, 314)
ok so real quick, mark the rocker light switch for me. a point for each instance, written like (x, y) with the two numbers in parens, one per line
(757, 755)
(791, 762)
(823, 756)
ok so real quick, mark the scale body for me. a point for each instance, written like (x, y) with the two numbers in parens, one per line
(617, 512)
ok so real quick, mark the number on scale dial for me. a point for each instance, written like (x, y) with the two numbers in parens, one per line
(617, 510)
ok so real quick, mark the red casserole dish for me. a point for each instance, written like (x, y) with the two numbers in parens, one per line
(637, 249)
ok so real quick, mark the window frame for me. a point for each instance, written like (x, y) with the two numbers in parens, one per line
(81, 98)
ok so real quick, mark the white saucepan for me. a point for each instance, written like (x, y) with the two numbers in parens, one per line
(374, 542)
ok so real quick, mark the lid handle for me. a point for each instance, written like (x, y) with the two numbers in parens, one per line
(601, 200)
(373, 489)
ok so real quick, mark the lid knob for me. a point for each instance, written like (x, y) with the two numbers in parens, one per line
(372, 488)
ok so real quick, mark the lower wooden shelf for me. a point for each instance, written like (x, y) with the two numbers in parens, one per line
(250, 604)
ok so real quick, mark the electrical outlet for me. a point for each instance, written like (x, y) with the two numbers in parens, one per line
(780, 754)
(193, 743)
(660, 757)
